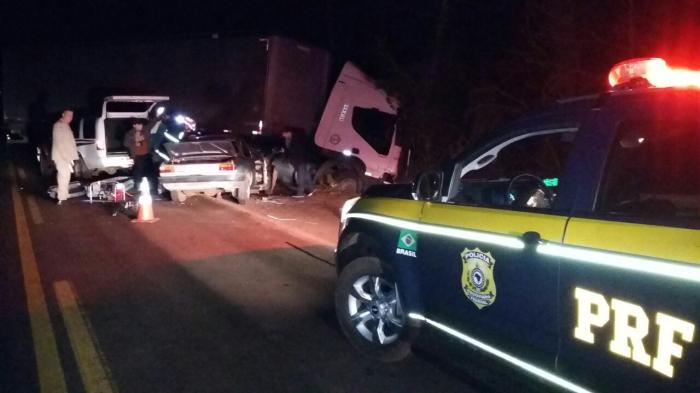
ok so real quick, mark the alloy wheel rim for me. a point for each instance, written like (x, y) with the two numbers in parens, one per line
(375, 309)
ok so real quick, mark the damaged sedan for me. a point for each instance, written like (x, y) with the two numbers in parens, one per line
(206, 167)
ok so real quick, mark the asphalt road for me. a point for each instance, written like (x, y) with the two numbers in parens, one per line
(211, 298)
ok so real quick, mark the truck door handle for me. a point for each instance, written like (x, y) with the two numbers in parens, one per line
(531, 238)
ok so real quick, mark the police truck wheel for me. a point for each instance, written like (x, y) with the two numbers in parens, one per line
(369, 310)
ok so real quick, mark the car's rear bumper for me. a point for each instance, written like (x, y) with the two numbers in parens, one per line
(184, 183)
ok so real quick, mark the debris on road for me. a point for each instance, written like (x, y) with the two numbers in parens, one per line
(75, 189)
(109, 189)
(281, 219)
(270, 200)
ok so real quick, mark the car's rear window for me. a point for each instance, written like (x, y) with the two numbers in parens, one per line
(125, 107)
(201, 149)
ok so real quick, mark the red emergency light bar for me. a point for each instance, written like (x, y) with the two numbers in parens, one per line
(653, 70)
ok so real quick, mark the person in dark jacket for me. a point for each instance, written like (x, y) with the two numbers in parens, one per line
(137, 142)
(298, 152)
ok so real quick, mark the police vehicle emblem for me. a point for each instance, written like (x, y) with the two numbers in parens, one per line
(477, 277)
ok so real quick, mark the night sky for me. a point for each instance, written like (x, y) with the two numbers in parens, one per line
(457, 65)
(479, 35)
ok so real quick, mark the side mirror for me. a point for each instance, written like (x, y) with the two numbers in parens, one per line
(427, 186)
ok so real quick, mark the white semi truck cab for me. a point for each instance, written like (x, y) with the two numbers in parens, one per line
(359, 125)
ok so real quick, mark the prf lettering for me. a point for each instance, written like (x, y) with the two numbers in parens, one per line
(630, 325)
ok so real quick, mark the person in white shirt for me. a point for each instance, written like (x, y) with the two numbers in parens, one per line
(63, 153)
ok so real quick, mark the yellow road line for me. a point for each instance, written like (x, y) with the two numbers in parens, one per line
(34, 211)
(93, 372)
(48, 363)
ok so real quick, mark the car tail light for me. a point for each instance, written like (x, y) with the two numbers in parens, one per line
(226, 166)
(166, 168)
(655, 71)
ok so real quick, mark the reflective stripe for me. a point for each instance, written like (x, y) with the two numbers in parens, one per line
(556, 380)
(162, 155)
(405, 209)
(621, 261)
(170, 137)
(484, 237)
(493, 220)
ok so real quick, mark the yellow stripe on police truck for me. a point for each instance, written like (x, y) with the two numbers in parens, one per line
(505, 222)
(667, 243)
(630, 325)
(405, 209)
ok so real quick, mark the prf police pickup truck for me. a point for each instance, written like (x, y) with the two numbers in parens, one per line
(567, 247)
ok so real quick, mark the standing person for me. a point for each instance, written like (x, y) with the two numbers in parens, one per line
(157, 139)
(298, 151)
(63, 153)
(157, 136)
(136, 141)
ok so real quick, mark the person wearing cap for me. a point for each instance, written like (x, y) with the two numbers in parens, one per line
(136, 141)
(63, 153)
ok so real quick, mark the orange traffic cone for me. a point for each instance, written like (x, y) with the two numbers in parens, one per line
(145, 213)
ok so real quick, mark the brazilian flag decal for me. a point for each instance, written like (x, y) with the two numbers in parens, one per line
(407, 243)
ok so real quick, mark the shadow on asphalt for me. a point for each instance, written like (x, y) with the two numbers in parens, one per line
(327, 261)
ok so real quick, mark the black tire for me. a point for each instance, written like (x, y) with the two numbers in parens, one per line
(346, 301)
(81, 170)
(243, 194)
(46, 167)
(348, 182)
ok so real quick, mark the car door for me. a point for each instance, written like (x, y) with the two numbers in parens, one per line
(481, 276)
(630, 279)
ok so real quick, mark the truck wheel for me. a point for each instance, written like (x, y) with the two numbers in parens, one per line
(340, 175)
(178, 196)
(369, 310)
(348, 182)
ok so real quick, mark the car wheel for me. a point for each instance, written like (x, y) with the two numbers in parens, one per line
(178, 196)
(243, 194)
(369, 310)
(45, 165)
(81, 170)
